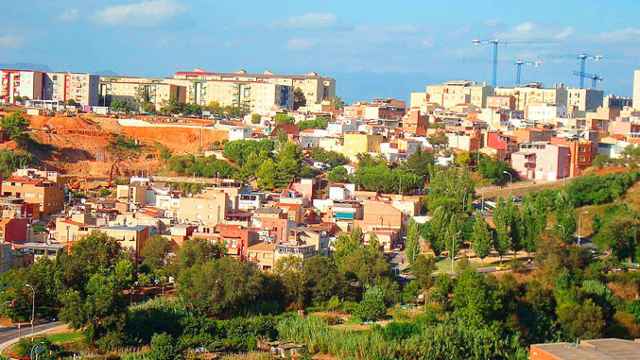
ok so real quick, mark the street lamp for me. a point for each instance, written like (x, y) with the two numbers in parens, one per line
(33, 305)
(510, 175)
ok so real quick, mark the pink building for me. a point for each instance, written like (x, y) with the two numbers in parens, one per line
(504, 145)
(542, 161)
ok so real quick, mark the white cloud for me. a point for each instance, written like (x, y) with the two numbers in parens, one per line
(69, 15)
(310, 21)
(530, 31)
(629, 34)
(145, 13)
(10, 41)
(299, 44)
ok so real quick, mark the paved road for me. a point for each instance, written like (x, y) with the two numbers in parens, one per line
(11, 333)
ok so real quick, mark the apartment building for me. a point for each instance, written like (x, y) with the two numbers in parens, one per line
(584, 100)
(316, 88)
(136, 90)
(82, 88)
(208, 208)
(357, 143)
(535, 94)
(636, 89)
(542, 161)
(20, 84)
(501, 102)
(545, 113)
(453, 93)
(35, 190)
(581, 152)
(263, 255)
(130, 238)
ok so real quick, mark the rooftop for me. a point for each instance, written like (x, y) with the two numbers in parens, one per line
(598, 349)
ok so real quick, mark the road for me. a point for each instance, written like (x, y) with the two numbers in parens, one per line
(12, 333)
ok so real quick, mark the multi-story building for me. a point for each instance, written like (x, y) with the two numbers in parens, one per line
(636, 89)
(64, 86)
(316, 88)
(35, 190)
(582, 152)
(584, 99)
(535, 94)
(453, 93)
(208, 208)
(357, 143)
(542, 161)
(137, 91)
(20, 84)
(130, 238)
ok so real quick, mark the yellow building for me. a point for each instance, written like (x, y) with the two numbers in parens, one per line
(453, 93)
(535, 94)
(357, 143)
(136, 90)
(316, 88)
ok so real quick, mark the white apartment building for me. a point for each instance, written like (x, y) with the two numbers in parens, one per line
(25, 84)
(64, 86)
(545, 113)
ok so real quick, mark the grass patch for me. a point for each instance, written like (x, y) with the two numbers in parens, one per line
(66, 337)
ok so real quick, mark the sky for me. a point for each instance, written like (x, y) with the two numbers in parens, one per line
(372, 48)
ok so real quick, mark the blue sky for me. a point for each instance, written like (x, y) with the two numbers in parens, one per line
(373, 48)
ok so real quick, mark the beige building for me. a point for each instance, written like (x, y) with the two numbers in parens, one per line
(526, 95)
(357, 143)
(636, 89)
(49, 195)
(315, 87)
(418, 100)
(130, 238)
(208, 208)
(453, 93)
(79, 87)
(584, 99)
(135, 90)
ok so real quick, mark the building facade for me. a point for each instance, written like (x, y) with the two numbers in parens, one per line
(136, 90)
(20, 84)
(453, 93)
(82, 88)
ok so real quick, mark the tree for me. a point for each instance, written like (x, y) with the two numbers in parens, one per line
(255, 118)
(266, 175)
(124, 106)
(290, 271)
(322, 278)
(581, 321)
(474, 299)
(423, 269)
(565, 217)
(419, 163)
(506, 218)
(412, 243)
(532, 224)
(163, 348)
(196, 252)
(154, 253)
(482, 237)
(495, 170)
(10, 160)
(620, 236)
(299, 99)
(15, 126)
(372, 306)
(338, 175)
(284, 118)
(225, 288)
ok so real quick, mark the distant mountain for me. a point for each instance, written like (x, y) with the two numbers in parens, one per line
(26, 66)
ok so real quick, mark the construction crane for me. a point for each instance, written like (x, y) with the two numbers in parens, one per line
(582, 74)
(520, 63)
(594, 78)
(494, 44)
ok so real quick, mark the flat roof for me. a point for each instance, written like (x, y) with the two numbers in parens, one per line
(598, 349)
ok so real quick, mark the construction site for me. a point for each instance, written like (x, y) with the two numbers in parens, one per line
(80, 145)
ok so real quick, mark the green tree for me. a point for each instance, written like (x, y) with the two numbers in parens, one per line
(419, 163)
(581, 321)
(495, 170)
(372, 306)
(412, 242)
(255, 118)
(15, 126)
(565, 217)
(266, 175)
(338, 175)
(163, 347)
(290, 271)
(423, 269)
(154, 252)
(196, 252)
(322, 278)
(482, 238)
(474, 299)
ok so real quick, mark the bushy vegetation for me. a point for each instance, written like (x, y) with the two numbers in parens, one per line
(12, 160)
(210, 167)
(328, 157)
(317, 123)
